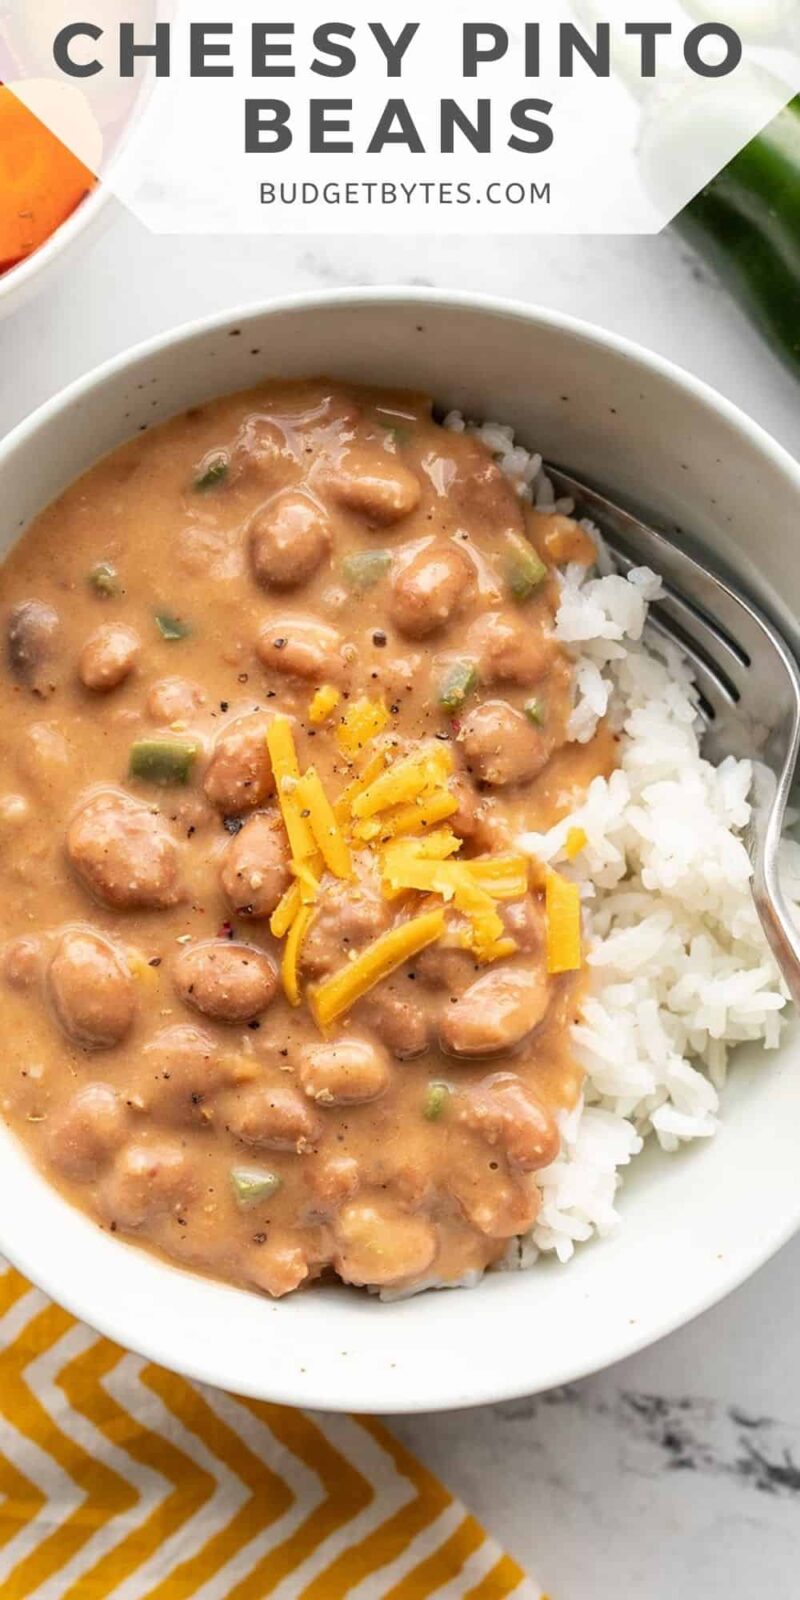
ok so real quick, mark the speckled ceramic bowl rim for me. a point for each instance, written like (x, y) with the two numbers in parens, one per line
(430, 1352)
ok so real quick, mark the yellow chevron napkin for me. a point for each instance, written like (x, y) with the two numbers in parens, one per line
(118, 1479)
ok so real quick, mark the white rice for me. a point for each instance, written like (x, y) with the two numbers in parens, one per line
(679, 967)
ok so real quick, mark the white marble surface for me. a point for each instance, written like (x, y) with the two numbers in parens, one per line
(677, 1473)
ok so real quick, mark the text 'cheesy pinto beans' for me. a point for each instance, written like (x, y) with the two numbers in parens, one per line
(285, 996)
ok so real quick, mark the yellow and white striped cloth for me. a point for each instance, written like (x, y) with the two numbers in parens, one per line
(118, 1479)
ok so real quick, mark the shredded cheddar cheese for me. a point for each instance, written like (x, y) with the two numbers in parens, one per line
(285, 911)
(140, 968)
(434, 846)
(291, 952)
(322, 704)
(562, 903)
(307, 874)
(415, 817)
(484, 940)
(362, 722)
(575, 843)
(286, 772)
(343, 807)
(506, 877)
(311, 797)
(398, 809)
(339, 993)
(403, 782)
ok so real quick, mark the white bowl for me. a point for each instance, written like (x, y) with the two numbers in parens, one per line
(20, 283)
(696, 1224)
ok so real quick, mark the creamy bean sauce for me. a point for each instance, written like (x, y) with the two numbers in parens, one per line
(322, 575)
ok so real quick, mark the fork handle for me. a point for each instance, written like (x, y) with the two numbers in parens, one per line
(775, 914)
(782, 935)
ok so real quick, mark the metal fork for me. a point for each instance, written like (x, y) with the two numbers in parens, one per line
(748, 684)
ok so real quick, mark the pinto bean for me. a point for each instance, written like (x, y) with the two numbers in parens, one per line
(185, 1072)
(21, 962)
(255, 867)
(498, 1205)
(496, 1012)
(91, 989)
(14, 812)
(501, 746)
(373, 484)
(86, 1131)
(377, 1243)
(278, 1270)
(334, 1180)
(44, 758)
(263, 453)
(148, 1181)
(239, 774)
(431, 588)
(440, 968)
(108, 657)
(476, 818)
(484, 494)
(33, 643)
(335, 411)
(289, 539)
(190, 811)
(174, 700)
(344, 1072)
(348, 915)
(400, 1024)
(225, 981)
(525, 922)
(124, 854)
(273, 1117)
(301, 647)
(509, 649)
(506, 1113)
(562, 538)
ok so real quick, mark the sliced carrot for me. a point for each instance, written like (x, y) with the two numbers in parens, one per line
(41, 181)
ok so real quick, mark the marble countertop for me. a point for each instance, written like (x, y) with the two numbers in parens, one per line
(678, 1472)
